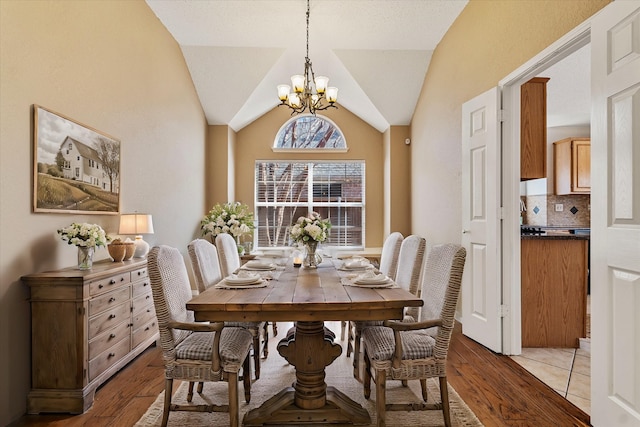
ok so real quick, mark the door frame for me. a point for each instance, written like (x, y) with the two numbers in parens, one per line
(575, 39)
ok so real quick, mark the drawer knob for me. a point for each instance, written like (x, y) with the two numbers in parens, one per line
(145, 284)
(100, 286)
(112, 316)
(112, 299)
(146, 329)
(122, 279)
(147, 297)
(112, 355)
(111, 282)
(112, 336)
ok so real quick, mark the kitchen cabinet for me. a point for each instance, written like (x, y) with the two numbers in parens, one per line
(572, 166)
(533, 129)
(85, 326)
(554, 274)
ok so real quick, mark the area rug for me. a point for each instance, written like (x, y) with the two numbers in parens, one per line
(277, 374)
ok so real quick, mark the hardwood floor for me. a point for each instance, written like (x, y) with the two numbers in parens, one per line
(498, 390)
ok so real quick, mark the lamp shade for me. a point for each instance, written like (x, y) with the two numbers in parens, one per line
(136, 223)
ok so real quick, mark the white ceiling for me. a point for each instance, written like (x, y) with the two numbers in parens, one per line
(376, 52)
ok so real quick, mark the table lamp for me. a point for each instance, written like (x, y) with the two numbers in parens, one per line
(137, 224)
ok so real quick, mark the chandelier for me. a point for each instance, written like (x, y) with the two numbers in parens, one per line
(304, 97)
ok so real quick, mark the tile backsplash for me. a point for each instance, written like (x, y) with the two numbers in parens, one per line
(541, 210)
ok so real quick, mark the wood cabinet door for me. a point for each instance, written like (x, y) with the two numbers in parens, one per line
(581, 166)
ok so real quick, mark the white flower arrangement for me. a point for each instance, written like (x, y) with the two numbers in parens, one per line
(230, 218)
(84, 234)
(310, 228)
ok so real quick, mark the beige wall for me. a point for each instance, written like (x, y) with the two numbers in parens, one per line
(113, 66)
(489, 40)
(400, 180)
(364, 142)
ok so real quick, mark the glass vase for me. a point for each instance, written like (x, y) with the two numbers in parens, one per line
(311, 257)
(85, 257)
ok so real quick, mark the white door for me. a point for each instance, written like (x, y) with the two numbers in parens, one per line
(615, 217)
(481, 288)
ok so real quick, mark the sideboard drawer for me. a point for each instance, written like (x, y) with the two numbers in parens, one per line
(139, 274)
(141, 287)
(108, 300)
(108, 338)
(108, 358)
(145, 332)
(109, 319)
(105, 285)
(144, 316)
(141, 303)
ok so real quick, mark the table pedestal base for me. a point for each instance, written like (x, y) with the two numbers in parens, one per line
(309, 401)
(282, 410)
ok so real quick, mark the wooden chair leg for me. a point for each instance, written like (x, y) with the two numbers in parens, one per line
(423, 386)
(168, 390)
(343, 327)
(246, 380)
(265, 348)
(256, 354)
(274, 327)
(190, 392)
(381, 404)
(367, 377)
(444, 396)
(234, 415)
(356, 356)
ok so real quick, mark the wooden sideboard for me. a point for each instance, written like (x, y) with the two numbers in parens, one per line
(85, 326)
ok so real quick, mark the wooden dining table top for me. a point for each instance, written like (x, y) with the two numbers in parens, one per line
(301, 294)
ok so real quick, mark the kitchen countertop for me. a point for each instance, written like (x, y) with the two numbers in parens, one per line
(555, 235)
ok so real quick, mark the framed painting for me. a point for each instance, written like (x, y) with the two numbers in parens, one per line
(76, 169)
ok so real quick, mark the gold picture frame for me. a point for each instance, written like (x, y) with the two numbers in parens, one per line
(76, 169)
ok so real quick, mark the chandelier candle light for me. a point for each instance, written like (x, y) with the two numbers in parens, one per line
(303, 97)
(137, 224)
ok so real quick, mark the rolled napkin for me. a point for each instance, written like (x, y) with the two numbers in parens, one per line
(243, 277)
(371, 277)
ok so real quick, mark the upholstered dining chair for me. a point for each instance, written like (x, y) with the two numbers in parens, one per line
(388, 266)
(410, 262)
(191, 351)
(207, 272)
(418, 350)
(229, 263)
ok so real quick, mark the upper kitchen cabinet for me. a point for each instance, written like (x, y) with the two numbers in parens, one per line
(533, 129)
(572, 166)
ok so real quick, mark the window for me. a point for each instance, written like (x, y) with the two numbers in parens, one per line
(310, 132)
(286, 190)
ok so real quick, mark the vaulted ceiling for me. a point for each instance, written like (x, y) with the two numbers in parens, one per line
(376, 52)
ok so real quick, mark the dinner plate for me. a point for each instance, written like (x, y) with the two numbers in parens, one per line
(243, 280)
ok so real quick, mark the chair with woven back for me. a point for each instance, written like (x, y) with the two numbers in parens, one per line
(417, 350)
(207, 272)
(194, 351)
(229, 264)
(388, 266)
(408, 274)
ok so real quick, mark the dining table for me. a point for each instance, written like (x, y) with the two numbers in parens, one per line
(308, 297)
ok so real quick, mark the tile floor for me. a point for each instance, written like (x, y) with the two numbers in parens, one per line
(566, 370)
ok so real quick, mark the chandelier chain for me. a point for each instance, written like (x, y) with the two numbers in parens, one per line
(308, 92)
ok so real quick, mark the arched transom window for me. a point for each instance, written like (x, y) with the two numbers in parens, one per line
(310, 132)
